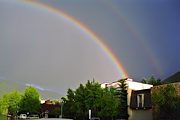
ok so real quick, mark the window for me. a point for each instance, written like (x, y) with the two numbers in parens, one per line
(140, 100)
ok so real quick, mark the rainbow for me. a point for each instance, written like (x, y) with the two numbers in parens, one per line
(140, 38)
(121, 70)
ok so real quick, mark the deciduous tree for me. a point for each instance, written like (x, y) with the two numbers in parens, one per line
(109, 104)
(30, 102)
(93, 96)
(80, 103)
(167, 101)
(68, 104)
(10, 102)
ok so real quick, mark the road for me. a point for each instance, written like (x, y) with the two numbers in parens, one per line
(54, 119)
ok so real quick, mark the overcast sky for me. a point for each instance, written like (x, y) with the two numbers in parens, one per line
(42, 48)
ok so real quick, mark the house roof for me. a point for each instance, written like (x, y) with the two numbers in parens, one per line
(131, 85)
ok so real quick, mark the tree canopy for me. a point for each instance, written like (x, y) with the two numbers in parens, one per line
(30, 102)
(15, 103)
(10, 102)
(152, 81)
(166, 102)
(121, 92)
(102, 102)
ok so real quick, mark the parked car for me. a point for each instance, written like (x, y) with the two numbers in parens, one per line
(22, 116)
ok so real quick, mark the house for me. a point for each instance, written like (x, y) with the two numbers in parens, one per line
(140, 105)
(50, 109)
(139, 99)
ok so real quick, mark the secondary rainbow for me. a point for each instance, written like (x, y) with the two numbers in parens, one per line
(85, 29)
(138, 36)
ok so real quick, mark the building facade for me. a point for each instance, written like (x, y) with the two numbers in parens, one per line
(139, 99)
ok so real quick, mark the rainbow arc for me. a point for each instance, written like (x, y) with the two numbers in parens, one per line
(83, 28)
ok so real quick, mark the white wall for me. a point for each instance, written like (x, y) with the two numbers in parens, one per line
(141, 115)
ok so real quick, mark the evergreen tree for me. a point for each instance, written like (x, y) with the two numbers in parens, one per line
(122, 95)
(152, 81)
(144, 80)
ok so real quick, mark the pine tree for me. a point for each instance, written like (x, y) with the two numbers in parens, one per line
(122, 95)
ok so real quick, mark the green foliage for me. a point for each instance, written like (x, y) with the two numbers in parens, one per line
(167, 101)
(14, 102)
(122, 95)
(70, 95)
(68, 105)
(30, 101)
(152, 81)
(80, 103)
(109, 104)
(102, 102)
(10, 102)
(144, 80)
(3, 117)
(55, 102)
(3, 106)
(55, 113)
(93, 92)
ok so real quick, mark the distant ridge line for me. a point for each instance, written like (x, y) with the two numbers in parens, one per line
(173, 78)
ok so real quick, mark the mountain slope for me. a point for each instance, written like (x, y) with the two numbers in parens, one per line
(173, 78)
(8, 86)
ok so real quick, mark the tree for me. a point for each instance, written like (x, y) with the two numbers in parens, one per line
(109, 104)
(145, 81)
(68, 104)
(10, 102)
(152, 81)
(82, 99)
(30, 102)
(103, 103)
(122, 95)
(3, 106)
(167, 102)
(80, 103)
(55, 113)
(93, 96)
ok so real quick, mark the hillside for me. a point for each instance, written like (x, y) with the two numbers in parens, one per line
(8, 86)
(173, 78)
